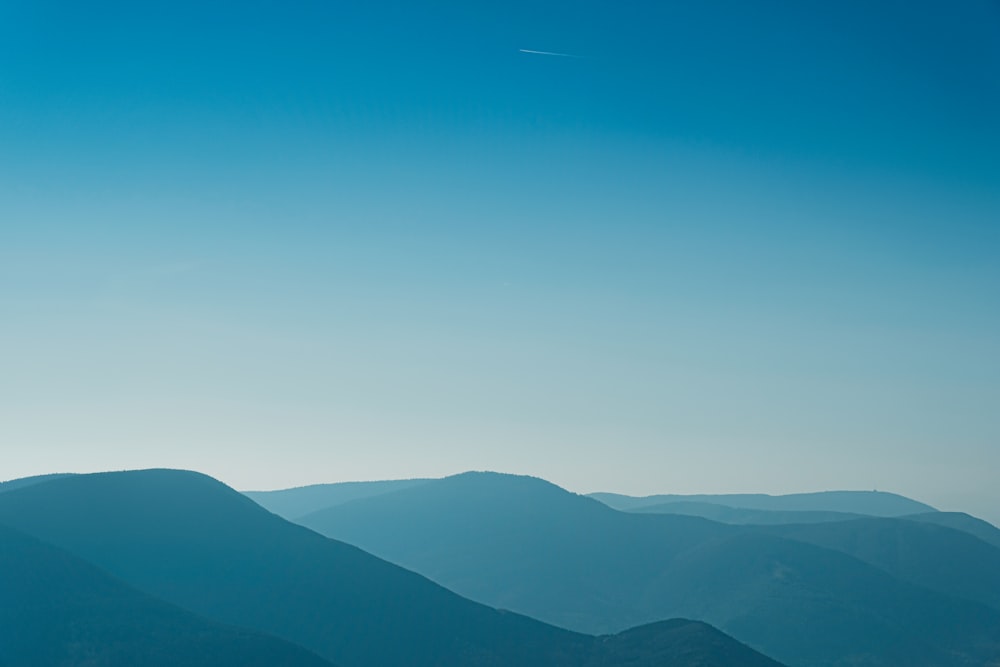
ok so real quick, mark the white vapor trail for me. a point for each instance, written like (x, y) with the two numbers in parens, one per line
(550, 53)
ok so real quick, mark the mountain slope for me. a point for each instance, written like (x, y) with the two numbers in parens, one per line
(984, 530)
(192, 541)
(872, 503)
(934, 556)
(524, 544)
(58, 610)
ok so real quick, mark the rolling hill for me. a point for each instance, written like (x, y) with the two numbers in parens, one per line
(196, 543)
(527, 545)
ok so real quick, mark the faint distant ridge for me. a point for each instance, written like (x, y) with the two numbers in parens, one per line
(22, 482)
(871, 503)
(301, 500)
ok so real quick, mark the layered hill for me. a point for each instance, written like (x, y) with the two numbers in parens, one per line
(57, 610)
(196, 543)
(527, 545)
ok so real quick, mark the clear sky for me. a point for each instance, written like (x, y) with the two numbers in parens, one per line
(719, 246)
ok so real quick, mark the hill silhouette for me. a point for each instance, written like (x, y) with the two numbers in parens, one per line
(58, 610)
(872, 503)
(527, 545)
(196, 543)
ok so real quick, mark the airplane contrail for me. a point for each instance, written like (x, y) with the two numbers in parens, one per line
(550, 53)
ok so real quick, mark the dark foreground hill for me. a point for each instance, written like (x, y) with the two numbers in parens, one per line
(194, 542)
(527, 545)
(57, 610)
(872, 503)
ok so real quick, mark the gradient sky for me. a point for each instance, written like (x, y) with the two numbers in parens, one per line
(732, 246)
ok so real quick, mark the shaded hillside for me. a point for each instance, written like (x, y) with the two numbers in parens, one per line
(984, 530)
(194, 542)
(294, 503)
(527, 545)
(871, 503)
(934, 556)
(739, 515)
(57, 610)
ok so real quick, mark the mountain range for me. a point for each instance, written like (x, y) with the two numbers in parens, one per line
(874, 591)
(184, 549)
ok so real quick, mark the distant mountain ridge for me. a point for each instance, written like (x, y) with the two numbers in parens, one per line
(295, 503)
(196, 543)
(742, 515)
(872, 503)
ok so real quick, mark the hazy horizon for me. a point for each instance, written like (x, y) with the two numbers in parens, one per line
(581, 491)
(727, 248)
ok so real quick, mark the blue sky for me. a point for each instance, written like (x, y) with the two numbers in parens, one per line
(731, 247)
